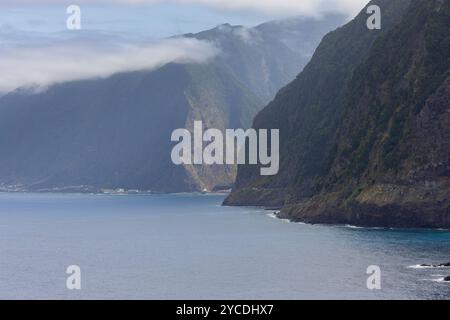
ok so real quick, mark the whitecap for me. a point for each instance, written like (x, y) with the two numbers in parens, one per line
(353, 227)
(440, 280)
(274, 216)
(418, 266)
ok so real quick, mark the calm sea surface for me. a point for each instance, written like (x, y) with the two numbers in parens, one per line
(189, 247)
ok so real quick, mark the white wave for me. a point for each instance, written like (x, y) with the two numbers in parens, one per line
(419, 266)
(349, 226)
(273, 215)
(353, 227)
(440, 280)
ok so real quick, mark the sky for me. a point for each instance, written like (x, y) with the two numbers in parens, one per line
(36, 48)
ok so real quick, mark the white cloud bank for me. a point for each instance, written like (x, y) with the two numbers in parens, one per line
(47, 65)
(268, 7)
(34, 65)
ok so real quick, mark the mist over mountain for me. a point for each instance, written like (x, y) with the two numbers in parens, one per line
(269, 56)
(365, 127)
(115, 132)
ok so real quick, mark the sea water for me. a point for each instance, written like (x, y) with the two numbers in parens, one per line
(190, 247)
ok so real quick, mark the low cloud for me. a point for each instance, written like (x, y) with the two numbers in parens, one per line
(32, 59)
(41, 66)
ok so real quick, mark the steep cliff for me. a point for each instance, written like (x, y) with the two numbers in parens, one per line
(365, 126)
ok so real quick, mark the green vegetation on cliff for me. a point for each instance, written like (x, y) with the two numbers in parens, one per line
(365, 135)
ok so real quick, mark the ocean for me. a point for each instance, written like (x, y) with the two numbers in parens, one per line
(188, 246)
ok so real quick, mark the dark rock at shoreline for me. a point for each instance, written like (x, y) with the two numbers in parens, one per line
(447, 279)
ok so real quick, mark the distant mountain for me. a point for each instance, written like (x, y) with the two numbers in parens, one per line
(115, 132)
(365, 135)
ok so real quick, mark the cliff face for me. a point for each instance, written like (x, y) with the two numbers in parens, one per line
(365, 127)
(115, 132)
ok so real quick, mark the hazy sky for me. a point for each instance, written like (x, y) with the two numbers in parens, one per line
(162, 18)
(118, 35)
(156, 21)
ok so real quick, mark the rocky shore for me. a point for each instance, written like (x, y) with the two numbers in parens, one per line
(371, 149)
(387, 206)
